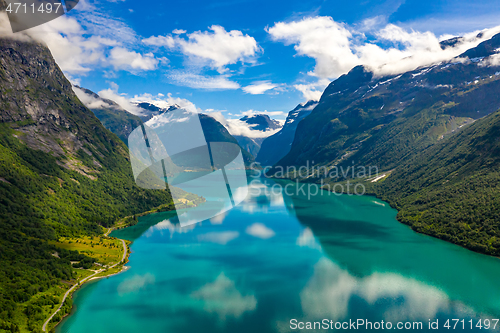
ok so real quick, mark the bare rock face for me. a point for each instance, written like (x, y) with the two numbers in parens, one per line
(37, 100)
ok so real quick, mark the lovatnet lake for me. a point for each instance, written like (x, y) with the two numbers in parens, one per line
(276, 258)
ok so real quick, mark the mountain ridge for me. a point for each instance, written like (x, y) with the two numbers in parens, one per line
(357, 109)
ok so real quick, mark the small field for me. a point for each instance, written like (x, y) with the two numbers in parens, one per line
(107, 251)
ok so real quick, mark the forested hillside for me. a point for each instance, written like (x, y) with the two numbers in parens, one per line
(452, 189)
(61, 174)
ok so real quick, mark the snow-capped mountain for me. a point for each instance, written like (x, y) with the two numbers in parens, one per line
(250, 131)
(152, 109)
(382, 120)
(261, 122)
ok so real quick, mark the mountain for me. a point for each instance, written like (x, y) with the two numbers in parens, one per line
(261, 122)
(122, 122)
(149, 110)
(381, 121)
(278, 145)
(61, 174)
(251, 131)
(112, 116)
(433, 130)
(251, 145)
(452, 189)
(485, 49)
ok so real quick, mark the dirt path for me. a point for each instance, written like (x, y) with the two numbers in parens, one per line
(125, 251)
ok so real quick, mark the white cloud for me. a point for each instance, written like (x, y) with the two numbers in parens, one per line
(166, 41)
(259, 230)
(218, 47)
(164, 102)
(99, 24)
(122, 100)
(309, 92)
(88, 100)
(73, 52)
(260, 87)
(337, 47)
(221, 238)
(269, 113)
(88, 40)
(313, 91)
(124, 59)
(307, 239)
(491, 61)
(321, 38)
(238, 127)
(198, 81)
(223, 298)
(130, 104)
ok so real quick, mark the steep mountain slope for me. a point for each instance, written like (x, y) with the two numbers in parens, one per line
(259, 127)
(275, 147)
(215, 132)
(251, 145)
(61, 174)
(150, 110)
(112, 116)
(381, 121)
(452, 189)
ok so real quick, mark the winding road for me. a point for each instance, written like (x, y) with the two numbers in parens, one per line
(44, 327)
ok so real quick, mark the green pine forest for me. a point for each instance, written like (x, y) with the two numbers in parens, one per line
(452, 189)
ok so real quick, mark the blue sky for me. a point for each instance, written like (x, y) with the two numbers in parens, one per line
(241, 56)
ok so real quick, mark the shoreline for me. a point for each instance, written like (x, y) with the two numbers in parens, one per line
(121, 223)
(124, 269)
(92, 277)
(393, 206)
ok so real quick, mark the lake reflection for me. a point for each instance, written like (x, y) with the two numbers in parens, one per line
(275, 258)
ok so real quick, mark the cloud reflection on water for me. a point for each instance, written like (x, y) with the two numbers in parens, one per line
(173, 228)
(331, 291)
(259, 230)
(135, 283)
(221, 238)
(223, 298)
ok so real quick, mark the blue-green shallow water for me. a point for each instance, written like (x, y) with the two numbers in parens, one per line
(275, 258)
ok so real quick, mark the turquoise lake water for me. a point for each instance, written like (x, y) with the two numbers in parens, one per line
(279, 257)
